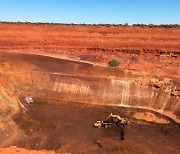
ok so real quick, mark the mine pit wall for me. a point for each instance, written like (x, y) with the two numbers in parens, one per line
(8, 107)
(67, 80)
(129, 92)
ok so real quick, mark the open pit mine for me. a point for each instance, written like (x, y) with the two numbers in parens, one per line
(55, 82)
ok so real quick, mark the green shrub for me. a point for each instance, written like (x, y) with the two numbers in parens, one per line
(113, 63)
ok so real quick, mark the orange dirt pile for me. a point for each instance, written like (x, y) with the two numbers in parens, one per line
(15, 150)
(148, 116)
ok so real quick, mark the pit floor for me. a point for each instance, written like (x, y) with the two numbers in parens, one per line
(68, 127)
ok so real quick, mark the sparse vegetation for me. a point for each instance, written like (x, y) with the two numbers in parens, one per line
(84, 24)
(113, 63)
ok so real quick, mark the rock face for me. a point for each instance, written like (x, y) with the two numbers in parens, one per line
(52, 78)
(69, 63)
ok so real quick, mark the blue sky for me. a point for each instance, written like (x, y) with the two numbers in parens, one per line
(92, 11)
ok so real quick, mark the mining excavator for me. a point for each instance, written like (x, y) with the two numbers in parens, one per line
(110, 120)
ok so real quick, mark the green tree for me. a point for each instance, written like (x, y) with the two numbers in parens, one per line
(113, 63)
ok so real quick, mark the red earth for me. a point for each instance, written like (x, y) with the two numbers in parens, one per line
(153, 51)
(64, 69)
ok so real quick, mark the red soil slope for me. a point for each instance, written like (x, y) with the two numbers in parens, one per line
(153, 51)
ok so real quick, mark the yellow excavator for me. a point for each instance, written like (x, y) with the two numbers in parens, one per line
(111, 119)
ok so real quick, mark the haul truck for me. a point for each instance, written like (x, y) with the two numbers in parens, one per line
(111, 119)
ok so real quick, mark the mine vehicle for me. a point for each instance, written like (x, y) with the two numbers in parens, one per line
(110, 120)
(113, 118)
(101, 123)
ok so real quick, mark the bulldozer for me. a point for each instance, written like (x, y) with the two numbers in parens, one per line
(110, 120)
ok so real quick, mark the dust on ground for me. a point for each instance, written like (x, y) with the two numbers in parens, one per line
(68, 127)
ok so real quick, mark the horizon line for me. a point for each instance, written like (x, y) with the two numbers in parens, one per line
(94, 24)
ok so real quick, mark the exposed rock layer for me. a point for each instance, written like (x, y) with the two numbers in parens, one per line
(45, 77)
